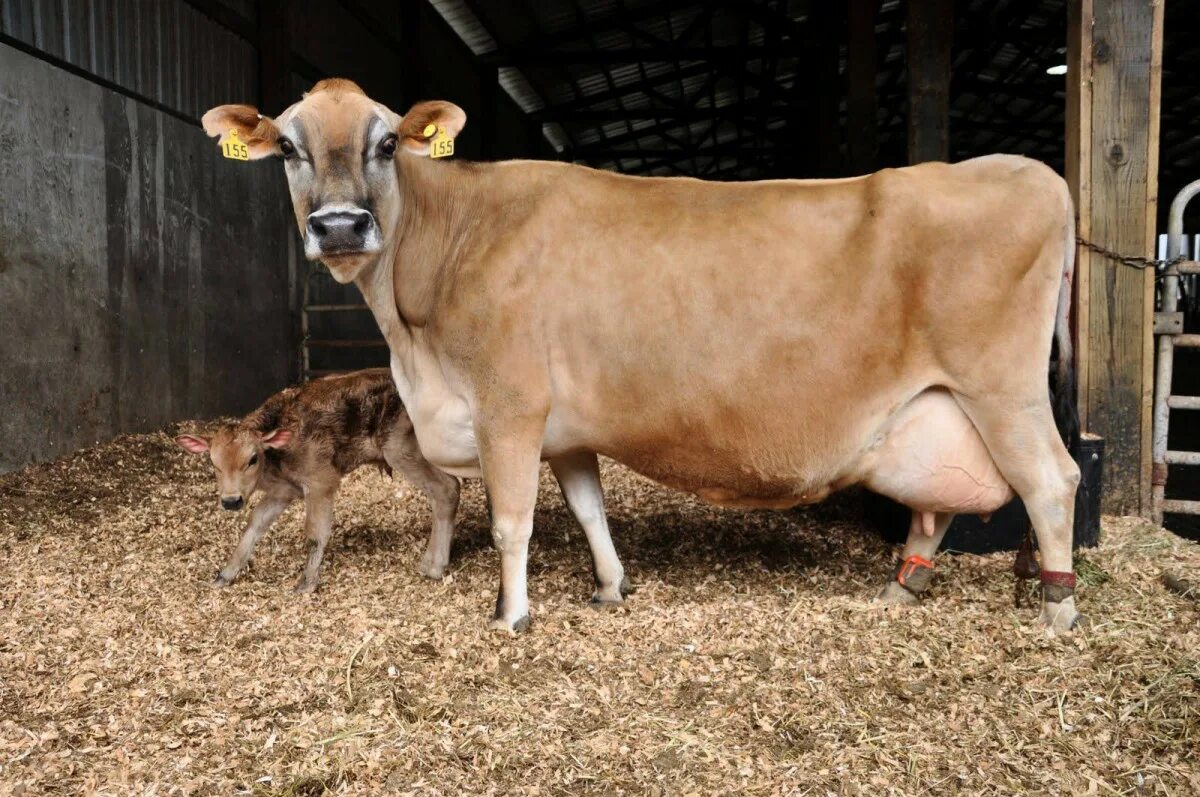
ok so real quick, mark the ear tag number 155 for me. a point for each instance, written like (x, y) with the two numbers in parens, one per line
(233, 148)
(442, 146)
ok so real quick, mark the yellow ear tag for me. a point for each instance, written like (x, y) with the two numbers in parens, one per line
(442, 146)
(233, 148)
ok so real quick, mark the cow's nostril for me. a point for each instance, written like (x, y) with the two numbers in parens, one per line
(360, 224)
(317, 228)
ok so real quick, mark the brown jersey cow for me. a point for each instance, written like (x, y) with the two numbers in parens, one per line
(756, 344)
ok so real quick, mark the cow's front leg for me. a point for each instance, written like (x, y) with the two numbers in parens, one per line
(579, 478)
(915, 570)
(510, 457)
(318, 523)
(261, 518)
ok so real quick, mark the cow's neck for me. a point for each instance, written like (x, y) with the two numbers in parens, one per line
(439, 210)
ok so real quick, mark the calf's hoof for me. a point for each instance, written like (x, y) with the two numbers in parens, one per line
(430, 567)
(305, 586)
(1062, 618)
(512, 626)
(222, 580)
(894, 595)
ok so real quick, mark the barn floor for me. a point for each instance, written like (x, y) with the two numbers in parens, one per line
(747, 662)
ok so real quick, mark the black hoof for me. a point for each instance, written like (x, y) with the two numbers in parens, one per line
(627, 587)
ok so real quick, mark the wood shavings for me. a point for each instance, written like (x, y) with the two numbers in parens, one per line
(748, 660)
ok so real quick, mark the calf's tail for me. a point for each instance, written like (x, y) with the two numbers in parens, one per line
(1063, 397)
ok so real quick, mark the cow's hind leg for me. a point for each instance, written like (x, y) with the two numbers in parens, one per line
(1026, 447)
(915, 569)
(579, 478)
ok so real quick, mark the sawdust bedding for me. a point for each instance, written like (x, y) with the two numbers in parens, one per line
(747, 662)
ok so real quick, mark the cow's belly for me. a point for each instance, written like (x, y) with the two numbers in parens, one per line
(931, 458)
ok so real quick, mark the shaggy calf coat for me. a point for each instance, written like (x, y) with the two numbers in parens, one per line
(301, 442)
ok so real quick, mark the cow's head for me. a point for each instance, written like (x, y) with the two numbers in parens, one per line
(237, 455)
(339, 148)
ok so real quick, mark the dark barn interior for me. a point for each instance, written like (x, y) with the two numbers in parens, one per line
(718, 90)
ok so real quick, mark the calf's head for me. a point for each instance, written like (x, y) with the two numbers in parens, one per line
(237, 456)
(339, 150)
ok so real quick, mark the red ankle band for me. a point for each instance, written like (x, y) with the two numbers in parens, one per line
(1058, 579)
(915, 573)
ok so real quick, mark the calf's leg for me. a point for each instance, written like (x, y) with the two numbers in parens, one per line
(318, 523)
(579, 479)
(910, 580)
(443, 490)
(261, 518)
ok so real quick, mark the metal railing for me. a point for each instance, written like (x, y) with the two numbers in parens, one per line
(1168, 325)
(308, 342)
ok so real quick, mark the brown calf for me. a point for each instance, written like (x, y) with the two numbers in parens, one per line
(301, 442)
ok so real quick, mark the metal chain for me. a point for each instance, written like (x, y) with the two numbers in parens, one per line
(1140, 263)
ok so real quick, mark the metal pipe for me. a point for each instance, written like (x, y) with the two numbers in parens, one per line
(1166, 352)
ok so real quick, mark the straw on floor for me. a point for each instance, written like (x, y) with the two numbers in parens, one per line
(749, 660)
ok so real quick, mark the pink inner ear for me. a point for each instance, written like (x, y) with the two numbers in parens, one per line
(196, 445)
(277, 439)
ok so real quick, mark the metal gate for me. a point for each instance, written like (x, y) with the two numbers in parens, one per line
(336, 333)
(1168, 326)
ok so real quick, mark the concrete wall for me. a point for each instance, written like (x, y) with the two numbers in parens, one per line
(143, 279)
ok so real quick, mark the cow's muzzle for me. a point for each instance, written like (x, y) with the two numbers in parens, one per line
(232, 503)
(341, 231)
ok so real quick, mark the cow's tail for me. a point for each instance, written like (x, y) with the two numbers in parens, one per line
(1063, 398)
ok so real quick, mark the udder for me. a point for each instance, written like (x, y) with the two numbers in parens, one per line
(931, 458)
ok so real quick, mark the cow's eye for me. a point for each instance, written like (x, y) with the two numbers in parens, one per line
(253, 461)
(287, 148)
(387, 147)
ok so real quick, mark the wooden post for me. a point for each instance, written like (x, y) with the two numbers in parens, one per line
(930, 33)
(862, 113)
(274, 57)
(1114, 75)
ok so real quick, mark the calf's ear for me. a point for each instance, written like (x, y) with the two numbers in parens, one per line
(438, 113)
(277, 439)
(257, 132)
(189, 442)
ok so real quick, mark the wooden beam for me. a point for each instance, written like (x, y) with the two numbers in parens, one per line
(862, 112)
(930, 32)
(1114, 81)
(628, 55)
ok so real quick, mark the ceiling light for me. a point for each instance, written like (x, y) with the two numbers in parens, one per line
(1061, 69)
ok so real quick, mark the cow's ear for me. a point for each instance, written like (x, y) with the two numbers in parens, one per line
(420, 117)
(257, 132)
(278, 438)
(192, 443)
